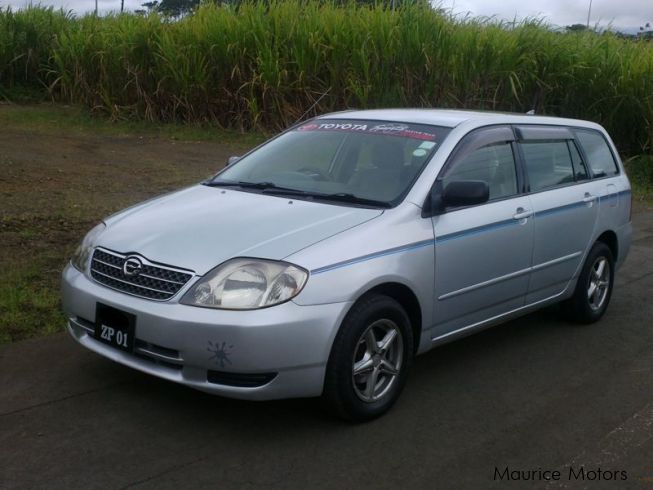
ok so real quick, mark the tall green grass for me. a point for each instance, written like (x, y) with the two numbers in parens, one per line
(265, 64)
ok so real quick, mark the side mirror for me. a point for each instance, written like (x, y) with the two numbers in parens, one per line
(465, 193)
(232, 160)
(457, 193)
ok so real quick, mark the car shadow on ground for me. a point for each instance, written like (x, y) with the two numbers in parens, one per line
(431, 372)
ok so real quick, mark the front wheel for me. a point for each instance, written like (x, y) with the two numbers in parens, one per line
(594, 288)
(369, 359)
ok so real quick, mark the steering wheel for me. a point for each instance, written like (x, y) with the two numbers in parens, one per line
(315, 172)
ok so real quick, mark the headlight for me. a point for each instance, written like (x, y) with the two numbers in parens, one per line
(83, 253)
(247, 284)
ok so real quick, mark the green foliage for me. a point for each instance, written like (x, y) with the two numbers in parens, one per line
(640, 172)
(577, 27)
(263, 65)
(29, 305)
(176, 8)
(27, 39)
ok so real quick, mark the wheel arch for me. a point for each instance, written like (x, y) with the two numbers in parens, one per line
(406, 297)
(609, 237)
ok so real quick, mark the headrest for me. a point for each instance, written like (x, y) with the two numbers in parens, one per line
(388, 153)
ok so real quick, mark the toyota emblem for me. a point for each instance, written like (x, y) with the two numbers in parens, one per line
(132, 266)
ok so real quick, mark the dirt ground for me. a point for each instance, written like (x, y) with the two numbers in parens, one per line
(55, 184)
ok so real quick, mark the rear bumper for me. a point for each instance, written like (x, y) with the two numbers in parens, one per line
(278, 352)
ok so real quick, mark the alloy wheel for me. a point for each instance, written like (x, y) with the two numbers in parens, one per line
(598, 283)
(378, 360)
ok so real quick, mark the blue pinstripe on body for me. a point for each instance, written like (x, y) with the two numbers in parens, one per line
(457, 234)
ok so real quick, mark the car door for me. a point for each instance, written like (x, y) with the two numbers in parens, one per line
(565, 204)
(483, 252)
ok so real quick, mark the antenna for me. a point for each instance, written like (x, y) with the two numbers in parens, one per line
(531, 112)
(311, 108)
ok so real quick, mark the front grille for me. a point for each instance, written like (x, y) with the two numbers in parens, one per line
(153, 281)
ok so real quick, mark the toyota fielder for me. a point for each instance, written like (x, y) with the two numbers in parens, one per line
(323, 261)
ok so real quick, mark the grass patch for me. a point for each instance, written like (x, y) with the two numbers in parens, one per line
(29, 300)
(640, 173)
(53, 118)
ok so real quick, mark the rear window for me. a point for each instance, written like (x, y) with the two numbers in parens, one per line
(548, 164)
(600, 158)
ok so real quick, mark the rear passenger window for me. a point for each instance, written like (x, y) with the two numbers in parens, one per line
(494, 164)
(598, 153)
(548, 164)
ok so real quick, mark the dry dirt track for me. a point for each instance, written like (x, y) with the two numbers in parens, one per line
(57, 182)
(49, 178)
(535, 393)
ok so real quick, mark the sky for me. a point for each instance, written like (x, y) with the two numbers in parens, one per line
(621, 14)
(626, 15)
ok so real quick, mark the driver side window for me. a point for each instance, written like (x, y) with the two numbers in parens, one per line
(493, 163)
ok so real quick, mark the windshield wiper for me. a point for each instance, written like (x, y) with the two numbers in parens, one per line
(354, 199)
(241, 183)
(267, 187)
(272, 188)
(339, 196)
(257, 185)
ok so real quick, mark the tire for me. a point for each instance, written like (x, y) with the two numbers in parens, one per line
(382, 369)
(592, 294)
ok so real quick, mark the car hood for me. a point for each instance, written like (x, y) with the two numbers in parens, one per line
(200, 227)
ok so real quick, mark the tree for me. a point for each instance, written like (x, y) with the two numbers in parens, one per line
(173, 8)
(576, 28)
(176, 8)
(150, 6)
(645, 32)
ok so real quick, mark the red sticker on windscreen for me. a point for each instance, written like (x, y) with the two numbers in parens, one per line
(385, 129)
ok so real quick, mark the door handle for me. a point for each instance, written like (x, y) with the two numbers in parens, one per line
(522, 213)
(589, 198)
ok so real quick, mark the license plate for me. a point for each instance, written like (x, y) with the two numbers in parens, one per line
(115, 327)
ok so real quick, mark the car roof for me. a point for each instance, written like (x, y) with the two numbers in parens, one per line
(452, 118)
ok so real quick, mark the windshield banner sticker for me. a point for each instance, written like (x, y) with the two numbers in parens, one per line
(385, 129)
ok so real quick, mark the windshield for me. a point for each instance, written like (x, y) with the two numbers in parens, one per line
(369, 161)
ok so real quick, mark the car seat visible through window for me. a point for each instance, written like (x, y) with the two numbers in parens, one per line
(381, 179)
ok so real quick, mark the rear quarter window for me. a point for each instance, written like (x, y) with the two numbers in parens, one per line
(600, 159)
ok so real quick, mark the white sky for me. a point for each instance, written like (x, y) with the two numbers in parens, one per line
(622, 14)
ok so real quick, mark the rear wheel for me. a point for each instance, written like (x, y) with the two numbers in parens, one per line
(594, 288)
(369, 359)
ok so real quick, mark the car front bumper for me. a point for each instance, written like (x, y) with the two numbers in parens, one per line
(277, 352)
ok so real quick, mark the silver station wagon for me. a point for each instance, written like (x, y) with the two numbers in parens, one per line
(323, 261)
